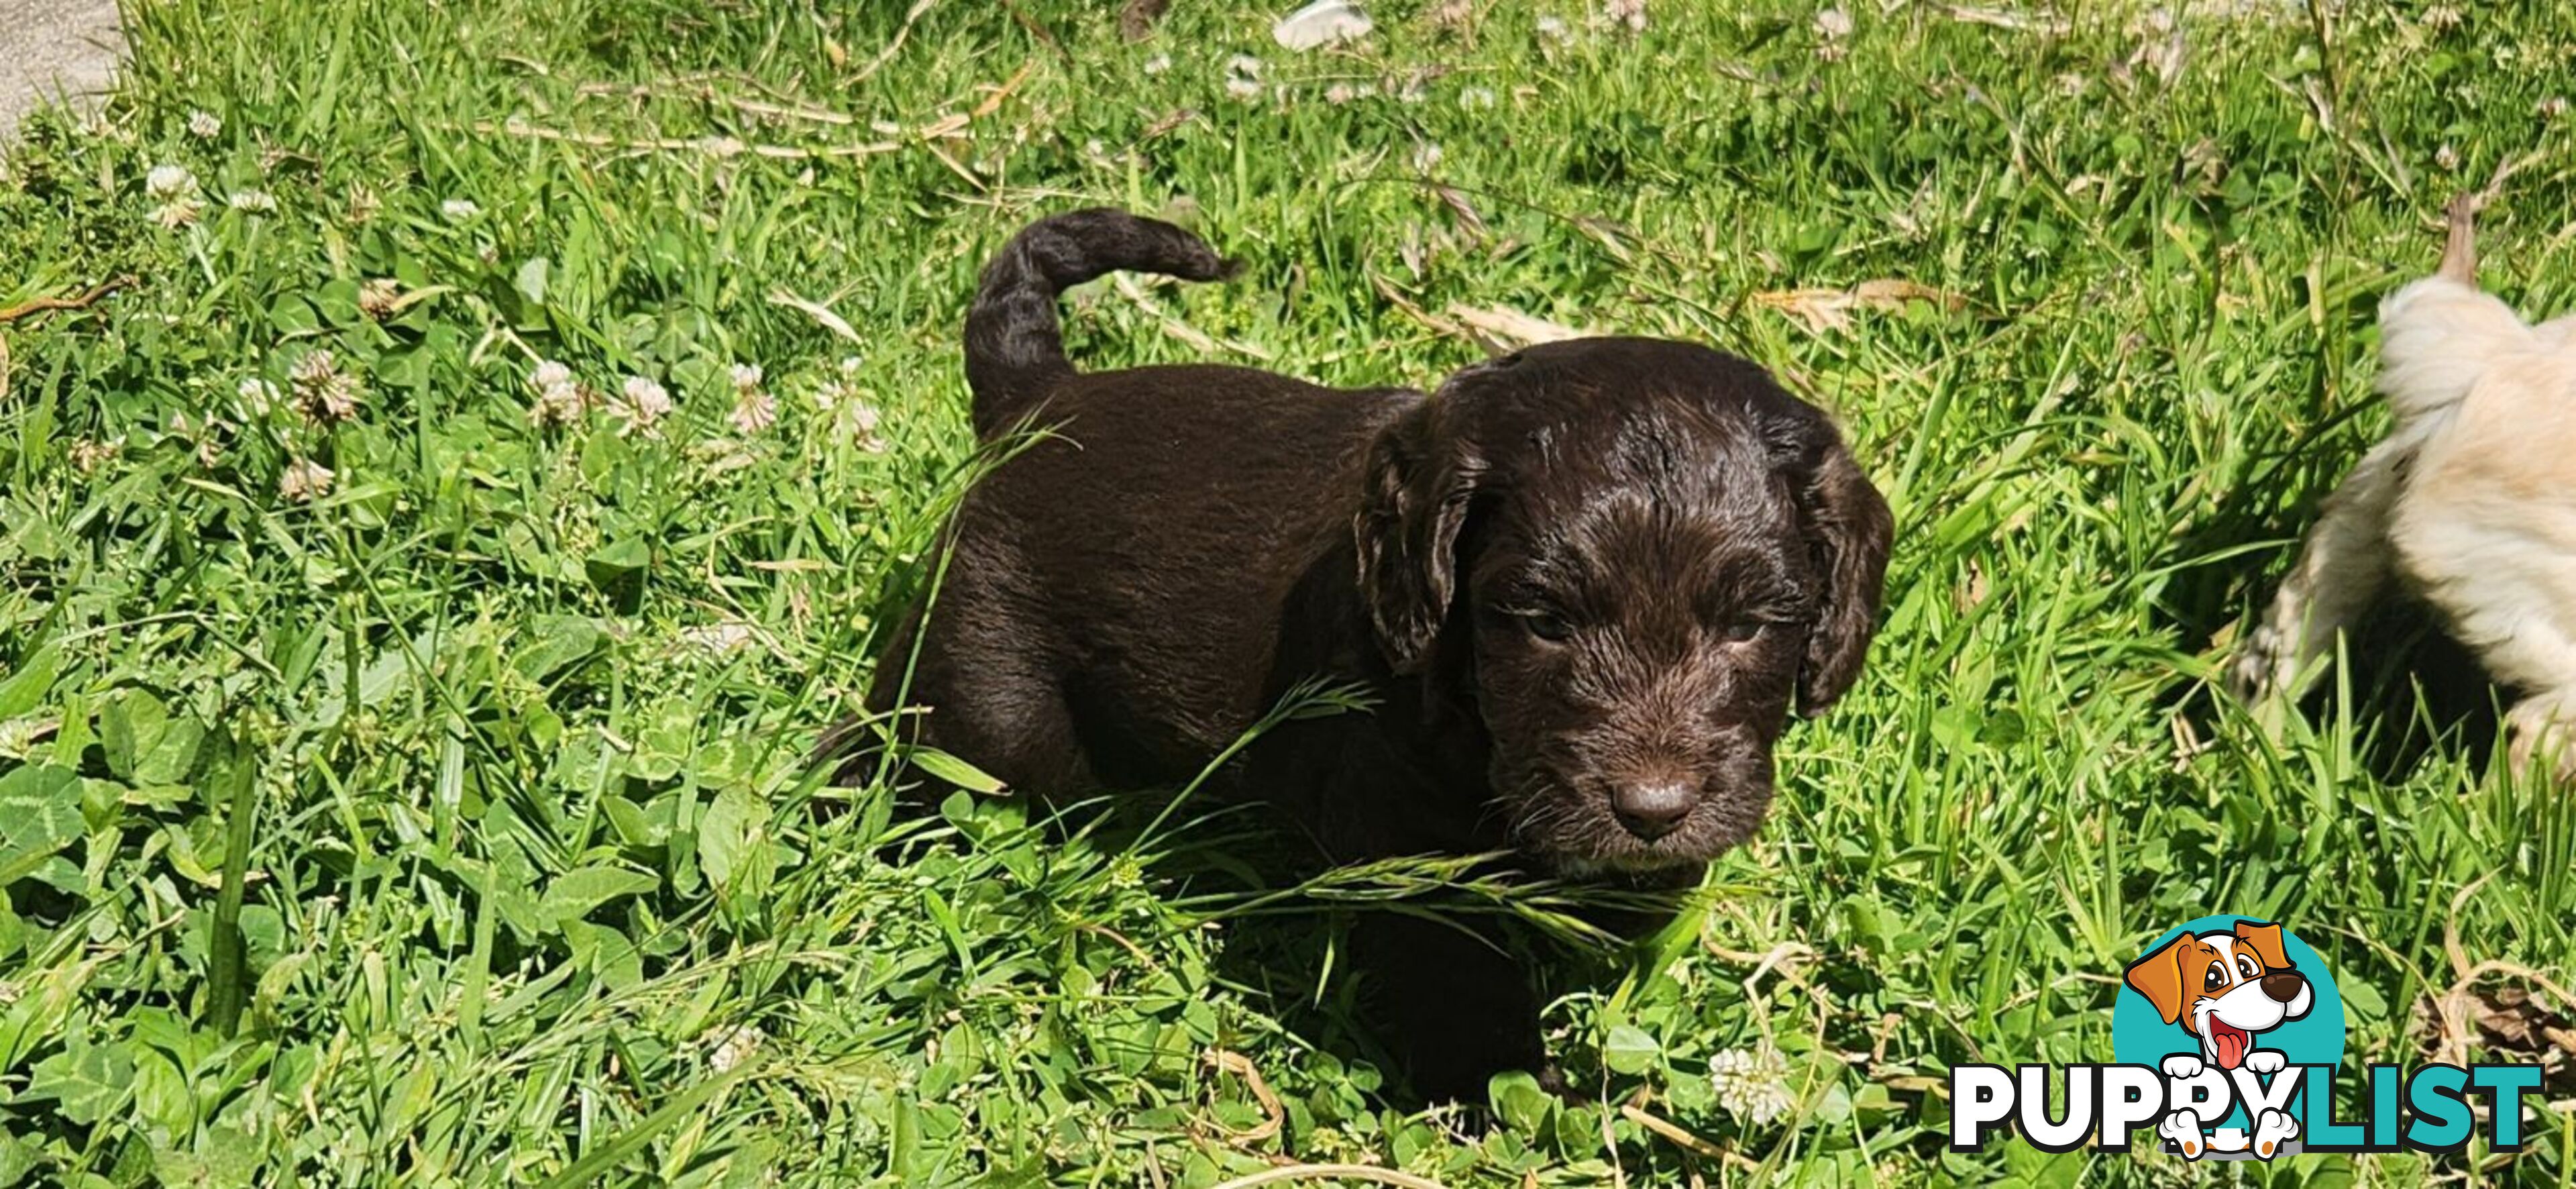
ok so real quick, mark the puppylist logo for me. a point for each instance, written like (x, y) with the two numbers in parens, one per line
(2226, 1037)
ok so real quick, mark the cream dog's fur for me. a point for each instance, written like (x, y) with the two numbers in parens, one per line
(2471, 501)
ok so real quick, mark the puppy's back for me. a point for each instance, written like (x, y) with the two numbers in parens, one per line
(1166, 514)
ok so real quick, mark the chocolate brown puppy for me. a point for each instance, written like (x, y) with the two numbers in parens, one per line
(1587, 584)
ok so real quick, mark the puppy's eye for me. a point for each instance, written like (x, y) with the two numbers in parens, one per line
(1546, 625)
(2246, 966)
(1744, 633)
(2216, 978)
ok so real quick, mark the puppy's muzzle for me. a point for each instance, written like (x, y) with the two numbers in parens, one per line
(1652, 809)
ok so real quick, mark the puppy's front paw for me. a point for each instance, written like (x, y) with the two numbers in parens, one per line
(2265, 1060)
(2272, 1130)
(2183, 1129)
(2182, 1065)
(2264, 667)
(2541, 733)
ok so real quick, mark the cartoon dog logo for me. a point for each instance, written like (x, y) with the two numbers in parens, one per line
(2225, 988)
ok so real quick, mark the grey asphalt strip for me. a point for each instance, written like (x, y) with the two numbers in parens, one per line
(52, 49)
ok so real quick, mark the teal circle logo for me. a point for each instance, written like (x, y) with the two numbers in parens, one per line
(2225, 993)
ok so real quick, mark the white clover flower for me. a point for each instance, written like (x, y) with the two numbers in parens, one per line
(1554, 29)
(168, 181)
(324, 392)
(2552, 107)
(733, 1048)
(259, 201)
(377, 297)
(1833, 24)
(2441, 16)
(87, 456)
(1752, 1086)
(753, 411)
(205, 125)
(257, 396)
(458, 210)
(304, 481)
(850, 365)
(647, 403)
(1631, 13)
(2447, 157)
(549, 374)
(178, 213)
(1476, 98)
(1158, 63)
(1425, 156)
(745, 376)
(561, 400)
(1243, 88)
(648, 397)
(1244, 65)
(859, 420)
(1338, 93)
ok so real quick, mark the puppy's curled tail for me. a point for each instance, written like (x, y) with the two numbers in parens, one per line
(1014, 350)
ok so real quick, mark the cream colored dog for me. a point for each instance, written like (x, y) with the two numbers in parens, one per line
(2471, 501)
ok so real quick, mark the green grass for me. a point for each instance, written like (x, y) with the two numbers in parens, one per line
(471, 790)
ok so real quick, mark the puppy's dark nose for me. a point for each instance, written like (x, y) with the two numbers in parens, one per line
(2282, 986)
(1651, 810)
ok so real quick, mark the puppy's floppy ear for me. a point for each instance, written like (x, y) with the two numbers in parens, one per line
(1848, 528)
(1419, 481)
(2266, 942)
(2158, 976)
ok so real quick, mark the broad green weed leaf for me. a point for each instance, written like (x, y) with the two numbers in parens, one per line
(1520, 1101)
(87, 1082)
(1630, 1050)
(575, 893)
(40, 813)
(733, 843)
(558, 642)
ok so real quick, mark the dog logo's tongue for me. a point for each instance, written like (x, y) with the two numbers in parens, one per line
(2230, 1042)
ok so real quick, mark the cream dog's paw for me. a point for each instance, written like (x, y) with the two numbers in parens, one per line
(2183, 1128)
(2271, 1131)
(2262, 666)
